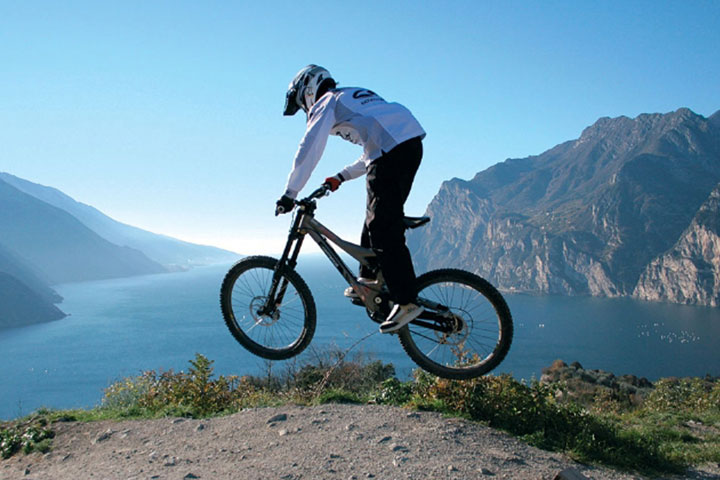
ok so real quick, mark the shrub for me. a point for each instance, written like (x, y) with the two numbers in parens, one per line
(192, 394)
(196, 394)
(28, 436)
(532, 413)
(394, 392)
(693, 396)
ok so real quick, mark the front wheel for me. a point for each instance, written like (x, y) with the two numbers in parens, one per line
(466, 330)
(277, 333)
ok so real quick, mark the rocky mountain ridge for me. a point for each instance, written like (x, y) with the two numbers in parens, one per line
(588, 216)
(690, 271)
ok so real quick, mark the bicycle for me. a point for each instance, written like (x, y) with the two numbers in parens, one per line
(465, 330)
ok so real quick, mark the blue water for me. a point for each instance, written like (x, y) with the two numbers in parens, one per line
(119, 328)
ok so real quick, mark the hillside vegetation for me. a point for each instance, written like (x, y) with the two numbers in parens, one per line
(623, 422)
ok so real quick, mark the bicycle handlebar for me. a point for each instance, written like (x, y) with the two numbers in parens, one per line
(319, 193)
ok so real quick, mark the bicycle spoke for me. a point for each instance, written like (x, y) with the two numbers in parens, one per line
(474, 343)
(281, 327)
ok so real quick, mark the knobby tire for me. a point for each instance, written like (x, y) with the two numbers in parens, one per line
(243, 292)
(480, 346)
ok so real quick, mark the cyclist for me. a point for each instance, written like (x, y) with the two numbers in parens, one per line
(391, 138)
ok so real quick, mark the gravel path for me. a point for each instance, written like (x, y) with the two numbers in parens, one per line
(288, 443)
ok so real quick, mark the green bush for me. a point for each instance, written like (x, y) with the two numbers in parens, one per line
(682, 415)
(675, 425)
(192, 394)
(692, 396)
(196, 394)
(394, 392)
(28, 436)
(532, 413)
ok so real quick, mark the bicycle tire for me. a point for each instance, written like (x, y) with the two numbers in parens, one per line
(487, 331)
(244, 290)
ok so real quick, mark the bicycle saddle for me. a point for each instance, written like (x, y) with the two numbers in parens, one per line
(415, 222)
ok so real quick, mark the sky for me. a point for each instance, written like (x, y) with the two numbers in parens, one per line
(167, 115)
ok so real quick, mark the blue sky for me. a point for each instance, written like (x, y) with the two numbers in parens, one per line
(167, 115)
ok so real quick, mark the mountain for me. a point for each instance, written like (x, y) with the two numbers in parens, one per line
(690, 271)
(25, 297)
(54, 242)
(585, 217)
(167, 251)
(33, 279)
(21, 305)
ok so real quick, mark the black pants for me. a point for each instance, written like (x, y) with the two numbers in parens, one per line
(389, 180)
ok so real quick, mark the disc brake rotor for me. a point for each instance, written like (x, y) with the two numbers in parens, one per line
(459, 333)
(256, 304)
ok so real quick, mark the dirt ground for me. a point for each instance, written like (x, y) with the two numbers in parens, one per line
(327, 442)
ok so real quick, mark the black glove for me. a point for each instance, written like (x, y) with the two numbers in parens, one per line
(284, 205)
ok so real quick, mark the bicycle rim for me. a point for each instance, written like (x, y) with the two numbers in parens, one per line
(283, 333)
(483, 326)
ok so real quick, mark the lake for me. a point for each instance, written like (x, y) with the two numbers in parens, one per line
(119, 328)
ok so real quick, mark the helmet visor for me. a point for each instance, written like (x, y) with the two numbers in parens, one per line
(291, 106)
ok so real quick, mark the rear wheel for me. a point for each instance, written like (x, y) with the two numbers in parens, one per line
(279, 334)
(467, 328)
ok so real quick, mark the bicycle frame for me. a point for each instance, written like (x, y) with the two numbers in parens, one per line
(372, 297)
(306, 224)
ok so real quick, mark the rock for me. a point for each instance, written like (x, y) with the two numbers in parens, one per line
(200, 427)
(397, 461)
(103, 436)
(190, 476)
(280, 417)
(570, 474)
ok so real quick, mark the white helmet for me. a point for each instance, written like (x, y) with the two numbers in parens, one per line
(302, 91)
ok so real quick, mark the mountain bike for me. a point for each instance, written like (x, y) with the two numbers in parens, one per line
(464, 331)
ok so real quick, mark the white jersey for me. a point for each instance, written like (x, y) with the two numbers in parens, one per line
(359, 116)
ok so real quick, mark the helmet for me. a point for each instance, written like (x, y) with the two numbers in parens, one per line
(302, 91)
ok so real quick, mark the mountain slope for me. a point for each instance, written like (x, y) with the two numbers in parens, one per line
(17, 268)
(57, 244)
(20, 305)
(165, 250)
(690, 272)
(24, 297)
(585, 217)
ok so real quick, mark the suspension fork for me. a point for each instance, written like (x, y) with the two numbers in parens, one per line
(287, 261)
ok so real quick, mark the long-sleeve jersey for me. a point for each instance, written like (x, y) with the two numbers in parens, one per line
(359, 116)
